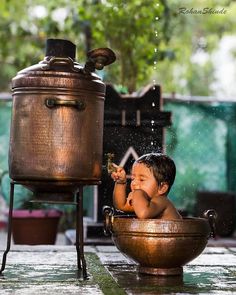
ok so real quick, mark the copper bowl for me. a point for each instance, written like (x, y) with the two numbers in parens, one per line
(160, 247)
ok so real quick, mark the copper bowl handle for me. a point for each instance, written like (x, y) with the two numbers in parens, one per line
(108, 213)
(211, 215)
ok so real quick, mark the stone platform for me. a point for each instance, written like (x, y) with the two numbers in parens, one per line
(43, 270)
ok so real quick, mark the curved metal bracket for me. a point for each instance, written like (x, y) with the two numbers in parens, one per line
(55, 102)
(108, 213)
(48, 64)
(211, 215)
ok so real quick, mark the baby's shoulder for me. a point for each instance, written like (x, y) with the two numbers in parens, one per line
(161, 199)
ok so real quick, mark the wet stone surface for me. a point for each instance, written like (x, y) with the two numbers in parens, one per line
(196, 280)
(213, 272)
(43, 279)
(52, 270)
(55, 278)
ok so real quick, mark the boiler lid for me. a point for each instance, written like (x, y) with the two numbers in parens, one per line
(59, 70)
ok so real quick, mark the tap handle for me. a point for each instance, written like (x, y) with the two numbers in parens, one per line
(98, 58)
(110, 167)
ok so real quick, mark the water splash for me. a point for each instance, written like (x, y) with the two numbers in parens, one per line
(156, 36)
(155, 49)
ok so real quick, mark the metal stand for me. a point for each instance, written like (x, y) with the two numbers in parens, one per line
(80, 233)
(81, 262)
(4, 258)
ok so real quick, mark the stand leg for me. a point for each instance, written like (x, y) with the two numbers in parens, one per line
(4, 258)
(77, 241)
(80, 228)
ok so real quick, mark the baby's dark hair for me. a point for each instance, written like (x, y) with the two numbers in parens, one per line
(162, 166)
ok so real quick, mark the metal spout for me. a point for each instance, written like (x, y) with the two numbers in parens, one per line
(98, 58)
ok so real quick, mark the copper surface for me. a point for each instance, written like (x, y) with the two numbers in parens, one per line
(58, 143)
(57, 123)
(160, 247)
(174, 271)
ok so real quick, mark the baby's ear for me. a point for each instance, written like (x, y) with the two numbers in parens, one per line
(163, 188)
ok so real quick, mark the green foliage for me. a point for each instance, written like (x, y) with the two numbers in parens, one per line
(192, 34)
(128, 27)
(152, 42)
(125, 26)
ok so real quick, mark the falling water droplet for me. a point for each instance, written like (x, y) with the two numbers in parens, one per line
(153, 104)
(155, 50)
(154, 84)
(152, 142)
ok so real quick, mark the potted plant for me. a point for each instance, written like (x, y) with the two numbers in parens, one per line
(32, 223)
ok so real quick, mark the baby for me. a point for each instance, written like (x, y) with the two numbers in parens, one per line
(152, 176)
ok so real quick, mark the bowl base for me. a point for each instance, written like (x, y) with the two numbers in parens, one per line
(175, 271)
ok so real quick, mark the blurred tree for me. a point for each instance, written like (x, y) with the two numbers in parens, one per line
(154, 41)
(194, 39)
(126, 27)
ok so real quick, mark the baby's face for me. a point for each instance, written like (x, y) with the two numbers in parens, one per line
(143, 178)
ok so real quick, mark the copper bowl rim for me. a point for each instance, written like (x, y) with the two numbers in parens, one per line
(188, 226)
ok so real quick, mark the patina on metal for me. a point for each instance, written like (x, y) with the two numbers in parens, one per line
(160, 247)
(57, 131)
(57, 122)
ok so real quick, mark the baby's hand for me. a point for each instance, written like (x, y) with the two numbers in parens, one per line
(119, 174)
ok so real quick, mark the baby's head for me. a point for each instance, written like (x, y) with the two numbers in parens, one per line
(162, 167)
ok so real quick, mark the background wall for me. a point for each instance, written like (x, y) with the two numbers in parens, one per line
(201, 140)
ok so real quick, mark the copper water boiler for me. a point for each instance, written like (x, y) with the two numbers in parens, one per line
(57, 121)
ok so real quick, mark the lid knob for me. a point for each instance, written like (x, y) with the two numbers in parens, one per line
(60, 48)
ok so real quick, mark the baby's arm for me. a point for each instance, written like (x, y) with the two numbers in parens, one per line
(145, 207)
(119, 192)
